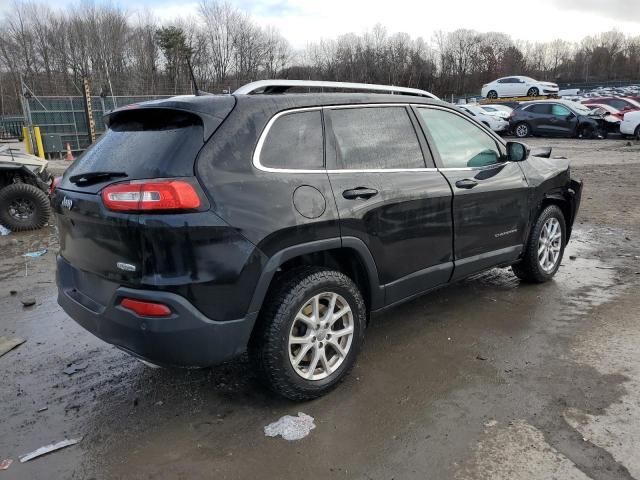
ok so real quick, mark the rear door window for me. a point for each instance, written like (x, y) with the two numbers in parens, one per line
(146, 143)
(294, 141)
(375, 138)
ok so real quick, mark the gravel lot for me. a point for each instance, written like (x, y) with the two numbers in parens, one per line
(485, 379)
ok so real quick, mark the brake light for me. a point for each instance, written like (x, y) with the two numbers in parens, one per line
(148, 195)
(54, 185)
(146, 309)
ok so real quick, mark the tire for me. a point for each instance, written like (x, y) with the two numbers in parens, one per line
(274, 356)
(587, 132)
(24, 207)
(533, 92)
(531, 269)
(492, 95)
(637, 134)
(522, 130)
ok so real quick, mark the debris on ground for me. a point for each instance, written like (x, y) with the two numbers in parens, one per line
(491, 423)
(7, 344)
(291, 428)
(480, 357)
(39, 253)
(4, 231)
(75, 367)
(43, 409)
(572, 257)
(13, 292)
(5, 464)
(49, 448)
(28, 302)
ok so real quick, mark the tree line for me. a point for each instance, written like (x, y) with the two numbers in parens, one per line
(48, 52)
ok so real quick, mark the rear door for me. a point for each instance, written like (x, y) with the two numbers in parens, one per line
(540, 116)
(390, 196)
(490, 196)
(140, 144)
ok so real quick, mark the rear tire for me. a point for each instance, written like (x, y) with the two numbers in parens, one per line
(24, 207)
(522, 130)
(545, 247)
(533, 92)
(637, 134)
(299, 346)
(492, 95)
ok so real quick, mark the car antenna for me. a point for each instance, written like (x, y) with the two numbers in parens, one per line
(197, 92)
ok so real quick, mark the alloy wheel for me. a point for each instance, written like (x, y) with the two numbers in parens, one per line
(321, 336)
(522, 130)
(549, 245)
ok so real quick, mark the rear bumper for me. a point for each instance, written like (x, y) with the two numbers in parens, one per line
(185, 339)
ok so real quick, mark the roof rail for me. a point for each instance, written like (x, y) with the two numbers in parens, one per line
(281, 86)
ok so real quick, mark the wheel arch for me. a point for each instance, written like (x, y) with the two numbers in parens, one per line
(348, 255)
(564, 204)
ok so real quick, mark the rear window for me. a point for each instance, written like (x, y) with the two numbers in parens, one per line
(375, 138)
(151, 143)
(543, 109)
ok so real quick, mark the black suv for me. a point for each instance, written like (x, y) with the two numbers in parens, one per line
(200, 227)
(557, 118)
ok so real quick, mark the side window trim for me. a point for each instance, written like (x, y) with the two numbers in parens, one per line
(265, 134)
(434, 151)
(329, 143)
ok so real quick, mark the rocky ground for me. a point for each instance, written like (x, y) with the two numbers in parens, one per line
(489, 378)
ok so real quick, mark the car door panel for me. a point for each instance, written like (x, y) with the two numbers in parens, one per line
(406, 224)
(490, 203)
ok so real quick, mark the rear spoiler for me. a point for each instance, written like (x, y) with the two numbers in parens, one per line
(211, 109)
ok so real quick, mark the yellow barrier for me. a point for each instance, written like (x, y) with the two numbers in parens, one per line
(26, 134)
(36, 133)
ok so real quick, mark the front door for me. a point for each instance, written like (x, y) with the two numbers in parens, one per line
(490, 195)
(390, 196)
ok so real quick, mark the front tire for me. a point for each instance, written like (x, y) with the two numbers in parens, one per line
(522, 130)
(533, 92)
(309, 333)
(492, 95)
(24, 207)
(545, 247)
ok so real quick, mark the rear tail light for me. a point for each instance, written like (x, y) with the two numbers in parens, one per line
(146, 195)
(54, 185)
(146, 309)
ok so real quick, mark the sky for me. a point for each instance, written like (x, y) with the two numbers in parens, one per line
(304, 21)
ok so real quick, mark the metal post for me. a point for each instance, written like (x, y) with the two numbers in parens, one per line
(88, 109)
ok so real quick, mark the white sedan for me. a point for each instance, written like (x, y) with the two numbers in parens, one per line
(630, 125)
(501, 111)
(493, 122)
(518, 87)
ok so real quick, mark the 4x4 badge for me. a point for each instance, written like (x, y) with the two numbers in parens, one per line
(67, 203)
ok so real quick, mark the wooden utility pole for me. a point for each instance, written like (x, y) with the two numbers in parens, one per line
(88, 110)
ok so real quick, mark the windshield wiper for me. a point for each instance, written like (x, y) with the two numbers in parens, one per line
(95, 177)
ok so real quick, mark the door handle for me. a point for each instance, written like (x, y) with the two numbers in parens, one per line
(360, 192)
(466, 183)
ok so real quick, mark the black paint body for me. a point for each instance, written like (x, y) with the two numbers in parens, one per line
(214, 267)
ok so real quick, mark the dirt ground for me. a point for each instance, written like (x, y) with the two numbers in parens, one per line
(487, 379)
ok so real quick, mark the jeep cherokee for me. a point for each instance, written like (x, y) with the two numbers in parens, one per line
(200, 227)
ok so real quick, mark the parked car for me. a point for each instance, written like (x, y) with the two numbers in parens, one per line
(24, 190)
(493, 122)
(603, 108)
(199, 227)
(623, 104)
(630, 125)
(501, 111)
(556, 118)
(518, 87)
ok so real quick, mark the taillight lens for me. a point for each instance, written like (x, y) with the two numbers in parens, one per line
(54, 185)
(146, 309)
(146, 195)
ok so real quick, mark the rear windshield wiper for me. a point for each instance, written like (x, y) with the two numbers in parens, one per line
(95, 177)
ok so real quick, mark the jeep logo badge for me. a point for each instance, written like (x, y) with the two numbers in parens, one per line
(67, 203)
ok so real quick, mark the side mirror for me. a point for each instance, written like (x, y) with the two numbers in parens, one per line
(517, 152)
